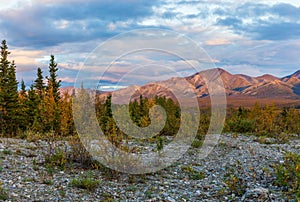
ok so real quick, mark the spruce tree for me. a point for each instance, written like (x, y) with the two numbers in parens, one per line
(23, 110)
(53, 83)
(34, 115)
(50, 112)
(4, 63)
(23, 89)
(52, 98)
(39, 83)
(4, 66)
(8, 93)
(12, 99)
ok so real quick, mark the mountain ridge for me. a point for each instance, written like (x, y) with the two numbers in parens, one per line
(238, 88)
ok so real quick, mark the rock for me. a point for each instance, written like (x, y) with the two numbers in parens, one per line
(169, 199)
(270, 141)
(258, 194)
(23, 173)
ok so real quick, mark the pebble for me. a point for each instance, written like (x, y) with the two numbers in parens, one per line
(25, 181)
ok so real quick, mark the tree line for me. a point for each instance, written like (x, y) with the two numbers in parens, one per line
(39, 108)
(42, 109)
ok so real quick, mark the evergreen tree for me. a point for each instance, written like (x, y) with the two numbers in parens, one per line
(50, 112)
(66, 123)
(39, 83)
(107, 115)
(134, 113)
(53, 83)
(4, 63)
(4, 66)
(50, 104)
(12, 100)
(23, 89)
(23, 111)
(8, 92)
(34, 115)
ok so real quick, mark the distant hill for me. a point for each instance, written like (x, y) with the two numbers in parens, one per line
(240, 89)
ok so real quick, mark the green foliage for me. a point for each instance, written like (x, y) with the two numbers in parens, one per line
(39, 84)
(57, 159)
(265, 121)
(193, 174)
(47, 182)
(139, 112)
(33, 115)
(204, 123)
(53, 83)
(290, 119)
(235, 184)
(239, 123)
(8, 93)
(197, 143)
(233, 179)
(38, 109)
(7, 152)
(159, 144)
(85, 182)
(288, 174)
(3, 193)
(173, 116)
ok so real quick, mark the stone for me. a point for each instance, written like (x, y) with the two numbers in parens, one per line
(23, 173)
(258, 195)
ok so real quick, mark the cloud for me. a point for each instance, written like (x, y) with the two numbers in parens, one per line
(26, 57)
(230, 21)
(286, 10)
(262, 36)
(217, 42)
(67, 79)
(49, 23)
(277, 31)
(252, 70)
(263, 22)
(249, 70)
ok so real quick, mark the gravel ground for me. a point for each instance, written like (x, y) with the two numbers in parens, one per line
(238, 169)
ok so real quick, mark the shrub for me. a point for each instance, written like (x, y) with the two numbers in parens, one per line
(159, 144)
(85, 182)
(79, 152)
(57, 159)
(234, 180)
(193, 174)
(3, 193)
(288, 173)
(197, 143)
(241, 125)
(47, 182)
(7, 152)
(31, 136)
(235, 184)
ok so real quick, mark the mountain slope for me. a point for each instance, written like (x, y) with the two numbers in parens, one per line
(266, 86)
(240, 89)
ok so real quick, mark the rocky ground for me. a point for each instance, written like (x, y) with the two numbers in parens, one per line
(238, 169)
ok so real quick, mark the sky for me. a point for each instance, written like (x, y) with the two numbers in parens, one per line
(248, 37)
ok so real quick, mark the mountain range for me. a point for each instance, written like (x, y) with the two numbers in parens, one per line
(240, 89)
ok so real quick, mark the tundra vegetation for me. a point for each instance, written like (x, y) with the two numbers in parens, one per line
(41, 112)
